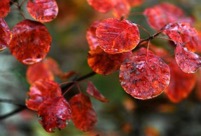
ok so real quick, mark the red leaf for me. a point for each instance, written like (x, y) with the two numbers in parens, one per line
(93, 91)
(121, 8)
(5, 34)
(91, 36)
(160, 15)
(188, 61)
(101, 5)
(144, 75)
(42, 10)
(41, 91)
(183, 34)
(181, 84)
(54, 113)
(5, 8)
(83, 114)
(117, 36)
(30, 42)
(38, 71)
(103, 63)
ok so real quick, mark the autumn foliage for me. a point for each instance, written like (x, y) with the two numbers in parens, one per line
(115, 44)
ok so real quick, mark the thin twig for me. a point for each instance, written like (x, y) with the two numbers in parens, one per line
(13, 112)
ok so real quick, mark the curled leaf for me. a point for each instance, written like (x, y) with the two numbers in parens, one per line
(83, 114)
(188, 61)
(103, 63)
(93, 91)
(54, 113)
(117, 36)
(144, 75)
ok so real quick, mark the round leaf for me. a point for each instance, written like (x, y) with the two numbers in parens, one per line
(117, 36)
(144, 75)
(30, 42)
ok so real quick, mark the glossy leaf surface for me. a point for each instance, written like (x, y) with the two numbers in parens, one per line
(103, 63)
(183, 34)
(83, 114)
(41, 91)
(144, 75)
(30, 42)
(188, 61)
(117, 36)
(181, 84)
(54, 113)
(5, 8)
(5, 34)
(42, 10)
(93, 91)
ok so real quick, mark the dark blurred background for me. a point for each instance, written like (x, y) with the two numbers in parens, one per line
(123, 115)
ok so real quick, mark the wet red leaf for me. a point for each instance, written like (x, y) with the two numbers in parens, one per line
(30, 42)
(91, 36)
(103, 63)
(160, 15)
(54, 113)
(117, 36)
(42, 10)
(188, 61)
(144, 75)
(184, 34)
(181, 84)
(101, 5)
(83, 114)
(5, 8)
(5, 34)
(93, 91)
(121, 8)
(41, 91)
